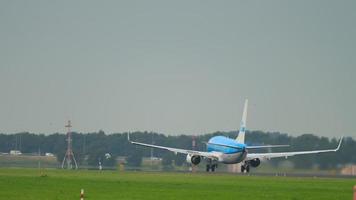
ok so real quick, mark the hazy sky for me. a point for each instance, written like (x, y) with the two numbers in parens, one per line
(178, 66)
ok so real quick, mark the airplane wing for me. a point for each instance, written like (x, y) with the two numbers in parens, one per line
(251, 156)
(266, 146)
(210, 155)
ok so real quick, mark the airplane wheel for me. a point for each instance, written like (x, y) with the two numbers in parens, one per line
(242, 169)
(247, 168)
(207, 168)
(213, 168)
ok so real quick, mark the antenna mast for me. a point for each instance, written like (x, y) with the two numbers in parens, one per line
(69, 156)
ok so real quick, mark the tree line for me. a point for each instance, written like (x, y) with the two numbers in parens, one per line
(91, 147)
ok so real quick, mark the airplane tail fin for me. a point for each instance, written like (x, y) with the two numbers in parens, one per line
(241, 136)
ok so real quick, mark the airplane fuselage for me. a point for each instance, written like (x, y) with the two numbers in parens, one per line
(228, 154)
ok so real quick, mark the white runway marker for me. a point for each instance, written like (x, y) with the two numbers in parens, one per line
(82, 194)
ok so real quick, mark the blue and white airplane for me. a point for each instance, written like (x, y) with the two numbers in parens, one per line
(221, 149)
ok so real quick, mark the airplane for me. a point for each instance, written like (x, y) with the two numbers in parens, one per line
(221, 149)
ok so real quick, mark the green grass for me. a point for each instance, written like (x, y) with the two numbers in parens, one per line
(27, 161)
(18, 184)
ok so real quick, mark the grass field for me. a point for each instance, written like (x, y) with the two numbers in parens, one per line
(27, 184)
(27, 161)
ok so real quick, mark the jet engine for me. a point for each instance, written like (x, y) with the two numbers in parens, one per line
(255, 162)
(193, 159)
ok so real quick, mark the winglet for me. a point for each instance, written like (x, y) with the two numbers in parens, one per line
(128, 136)
(338, 146)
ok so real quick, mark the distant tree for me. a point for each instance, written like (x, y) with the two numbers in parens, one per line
(110, 162)
(60, 156)
(95, 156)
(93, 146)
(135, 158)
(179, 159)
(167, 160)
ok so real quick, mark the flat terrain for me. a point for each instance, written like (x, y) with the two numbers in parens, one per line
(28, 184)
(27, 161)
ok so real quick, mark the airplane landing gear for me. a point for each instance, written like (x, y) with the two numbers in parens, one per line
(245, 167)
(211, 166)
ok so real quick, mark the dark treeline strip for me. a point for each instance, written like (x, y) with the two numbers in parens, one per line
(90, 147)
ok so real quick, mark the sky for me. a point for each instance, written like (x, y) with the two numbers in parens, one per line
(178, 67)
